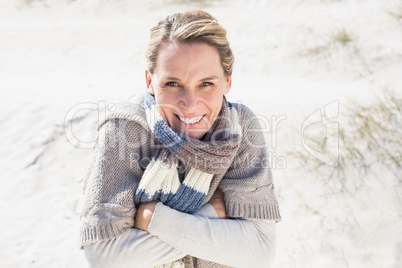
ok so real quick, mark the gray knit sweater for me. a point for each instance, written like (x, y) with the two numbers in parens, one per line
(125, 146)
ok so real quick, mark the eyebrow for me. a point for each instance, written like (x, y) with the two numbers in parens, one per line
(209, 78)
(172, 78)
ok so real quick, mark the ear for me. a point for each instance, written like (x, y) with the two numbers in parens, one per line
(148, 80)
(228, 84)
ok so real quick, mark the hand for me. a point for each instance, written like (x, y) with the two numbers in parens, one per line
(144, 215)
(217, 201)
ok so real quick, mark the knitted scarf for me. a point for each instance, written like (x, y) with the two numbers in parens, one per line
(211, 155)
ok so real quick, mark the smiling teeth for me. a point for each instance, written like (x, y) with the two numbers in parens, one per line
(191, 120)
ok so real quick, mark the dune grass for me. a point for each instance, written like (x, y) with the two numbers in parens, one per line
(335, 41)
(342, 37)
(370, 138)
(396, 13)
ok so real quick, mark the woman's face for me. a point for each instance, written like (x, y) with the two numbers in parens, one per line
(188, 84)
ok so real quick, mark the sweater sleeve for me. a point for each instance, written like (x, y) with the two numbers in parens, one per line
(108, 207)
(136, 248)
(231, 242)
(248, 184)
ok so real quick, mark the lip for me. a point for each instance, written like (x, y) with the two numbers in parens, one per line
(187, 125)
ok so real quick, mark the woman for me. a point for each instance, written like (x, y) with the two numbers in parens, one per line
(179, 176)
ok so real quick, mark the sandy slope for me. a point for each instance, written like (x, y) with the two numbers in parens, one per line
(57, 55)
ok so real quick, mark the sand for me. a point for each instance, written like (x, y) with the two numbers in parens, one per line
(58, 57)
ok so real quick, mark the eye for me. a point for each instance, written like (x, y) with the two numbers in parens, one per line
(171, 84)
(205, 84)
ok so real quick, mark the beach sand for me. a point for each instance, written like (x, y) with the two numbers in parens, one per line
(62, 60)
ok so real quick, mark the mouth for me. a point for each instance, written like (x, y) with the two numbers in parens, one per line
(190, 120)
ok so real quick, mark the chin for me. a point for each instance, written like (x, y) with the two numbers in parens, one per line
(195, 135)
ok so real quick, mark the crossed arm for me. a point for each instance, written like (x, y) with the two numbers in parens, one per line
(162, 235)
(146, 210)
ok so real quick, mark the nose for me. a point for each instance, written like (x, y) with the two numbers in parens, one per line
(189, 101)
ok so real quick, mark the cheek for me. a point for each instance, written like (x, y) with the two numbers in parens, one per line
(166, 101)
(161, 97)
(214, 103)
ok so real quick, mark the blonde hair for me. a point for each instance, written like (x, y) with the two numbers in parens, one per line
(190, 27)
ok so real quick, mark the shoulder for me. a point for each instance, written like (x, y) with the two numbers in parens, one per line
(247, 118)
(126, 112)
(241, 108)
(253, 126)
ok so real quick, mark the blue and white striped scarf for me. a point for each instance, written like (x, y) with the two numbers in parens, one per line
(203, 158)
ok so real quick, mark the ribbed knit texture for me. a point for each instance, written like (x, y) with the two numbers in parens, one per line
(125, 149)
(161, 179)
